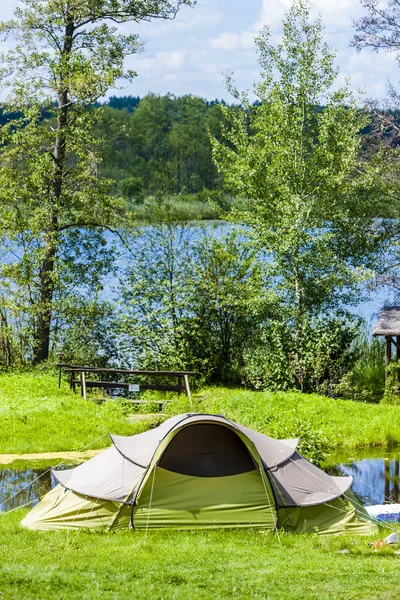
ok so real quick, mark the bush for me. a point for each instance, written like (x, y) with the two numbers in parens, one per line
(313, 361)
(392, 395)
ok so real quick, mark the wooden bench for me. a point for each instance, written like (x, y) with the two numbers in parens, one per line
(78, 377)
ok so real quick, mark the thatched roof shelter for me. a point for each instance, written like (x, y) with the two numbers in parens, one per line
(389, 325)
(388, 322)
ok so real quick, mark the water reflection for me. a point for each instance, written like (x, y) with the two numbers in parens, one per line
(376, 480)
(24, 487)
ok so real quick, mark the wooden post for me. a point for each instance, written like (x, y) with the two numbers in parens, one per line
(388, 355)
(60, 355)
(386, 474)
(83, 384)
(71, 383)
(396, 481)
(180, 383)
(187, 388)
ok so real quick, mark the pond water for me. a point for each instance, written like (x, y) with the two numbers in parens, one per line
(21, 487)
(376, 476)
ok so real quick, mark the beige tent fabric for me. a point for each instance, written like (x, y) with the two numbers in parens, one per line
(273, 452)
(63, 509)
(141, 448)
(108, 476)
(297, 482)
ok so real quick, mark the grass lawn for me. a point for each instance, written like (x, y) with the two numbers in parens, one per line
(199, 565)
(35, 416)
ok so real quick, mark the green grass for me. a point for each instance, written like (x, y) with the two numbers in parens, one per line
(341, 423)
(35, 416)
(185, 565)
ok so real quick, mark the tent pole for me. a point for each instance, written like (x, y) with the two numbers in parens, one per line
(187, 388)
(151, 500)
(270, 506)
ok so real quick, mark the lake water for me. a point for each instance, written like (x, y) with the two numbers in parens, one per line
(376, 479)
(376, 474)
(368, 309)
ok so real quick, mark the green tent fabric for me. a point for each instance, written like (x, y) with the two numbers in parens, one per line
(199, 470)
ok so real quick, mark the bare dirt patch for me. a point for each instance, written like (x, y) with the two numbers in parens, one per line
(6, 459)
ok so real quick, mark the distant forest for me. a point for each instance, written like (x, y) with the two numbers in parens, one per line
(160, 144)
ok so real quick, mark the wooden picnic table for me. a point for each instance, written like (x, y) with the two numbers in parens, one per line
(74, 370)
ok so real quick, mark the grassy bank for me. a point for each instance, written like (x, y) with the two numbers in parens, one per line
(336, 422)
(198, 565)
(35, 416)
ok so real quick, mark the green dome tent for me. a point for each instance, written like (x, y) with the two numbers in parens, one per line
(199, 470)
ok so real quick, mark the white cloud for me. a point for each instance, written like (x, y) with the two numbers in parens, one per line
(231, 41)
(171, 60)
(247, 39)
(334, 13)
(225, 41)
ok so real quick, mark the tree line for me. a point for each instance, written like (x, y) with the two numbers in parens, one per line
(160, 144)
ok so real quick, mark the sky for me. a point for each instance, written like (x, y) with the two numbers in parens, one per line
(190, 54)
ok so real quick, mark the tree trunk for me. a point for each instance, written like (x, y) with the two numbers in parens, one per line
(44, 309)
(5, 338)
(46, 282)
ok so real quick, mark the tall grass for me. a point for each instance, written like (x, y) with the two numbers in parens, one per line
(36, 416)
(334, 423)
(366, 380)
(188, 207)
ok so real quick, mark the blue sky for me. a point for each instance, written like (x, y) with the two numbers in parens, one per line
(190, 54)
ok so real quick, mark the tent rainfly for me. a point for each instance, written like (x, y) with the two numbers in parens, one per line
(388, 325)
(199, 470)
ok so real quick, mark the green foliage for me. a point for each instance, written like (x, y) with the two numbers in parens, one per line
(164, 142)
(392, 385)
(62, 57)
(189, 299)
(132, 189)
(313, 362)
(185, 207)
(365, 380)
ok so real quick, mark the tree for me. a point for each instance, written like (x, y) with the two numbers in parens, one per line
(65, 55)
(164, 142)
(191, 298)
(296, 157)
(229, 302)
(380, 30)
